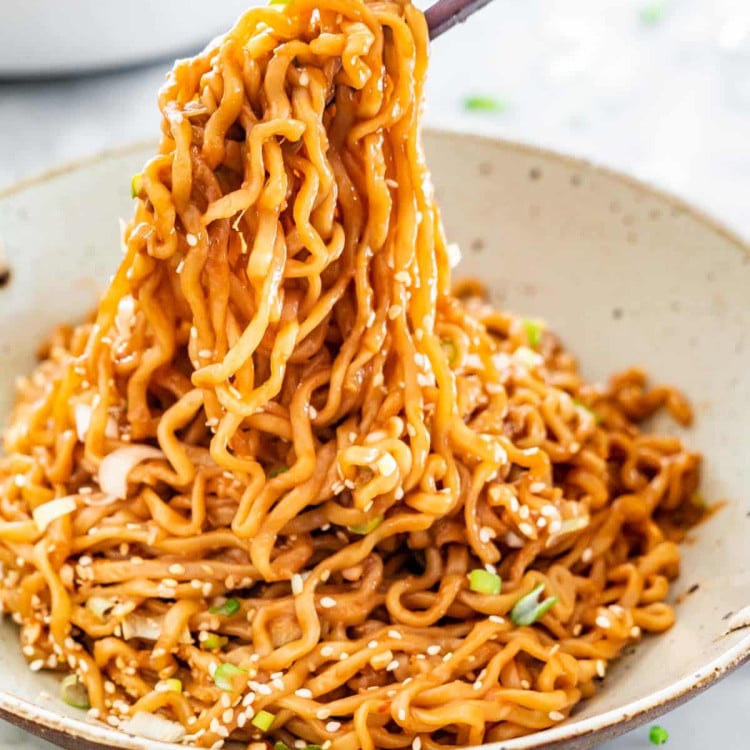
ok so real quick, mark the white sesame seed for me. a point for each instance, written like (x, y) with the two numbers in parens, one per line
(191, 239)
(554, 650)
(525, 684)
(497, 619)
(303, 693)
(538, 487)
(490, 568)
(434, 650)
(587, 555)
(248, 699)
(486, 534)
(393, 665)
(297, 584)
(371, 644)
(635, 632)
(601, 667)
(241, 720)
(416, 743)
(333, 726)
(524, 512)
(326, 651)
(327, 602)
(526, 529)
(603, 622)
(395, 634)
(37, 664)
(323, 714)
(556, 716)
(176, 569)
(228, 716)
(402, 714)
(448, 656)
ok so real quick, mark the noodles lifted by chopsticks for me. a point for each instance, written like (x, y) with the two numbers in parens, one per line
(286, 485)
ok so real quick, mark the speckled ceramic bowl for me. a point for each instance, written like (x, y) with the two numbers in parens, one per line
(625, 274)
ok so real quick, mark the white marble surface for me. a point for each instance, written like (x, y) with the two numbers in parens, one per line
(658, 89)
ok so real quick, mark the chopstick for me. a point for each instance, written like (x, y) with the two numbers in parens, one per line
(445, 14)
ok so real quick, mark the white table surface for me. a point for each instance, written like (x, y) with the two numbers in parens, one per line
(668, 102)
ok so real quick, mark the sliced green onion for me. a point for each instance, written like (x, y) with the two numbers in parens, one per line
(213, 642)
(136, 183)
(653, 13)
(533, 332)
(229, 608)
(281, 746)
(528, 609)
(279, 2)
(263, 720)
(484, 104)
(74, 692)
(172, 685)
(225, 674)
(367, 526)
(484, 582)
(698, 501)
(450, 350)
(579, 405)
(278, 470)
(658, 735)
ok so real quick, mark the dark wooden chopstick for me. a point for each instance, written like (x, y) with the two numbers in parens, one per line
(444, 14)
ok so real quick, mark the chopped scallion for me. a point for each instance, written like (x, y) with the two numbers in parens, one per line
(278, 470)
(74, 692)
(484, 104)
(136, 183)
(228, 608)
(279, 2)
(367, 527)
(658, 735)
(225, 674)
(484, 582)
(528, 609)
(533, 332)
(213, 642)
(450, 350)
(281, 746)
(263, 720)
(653, 13)
(173, 685)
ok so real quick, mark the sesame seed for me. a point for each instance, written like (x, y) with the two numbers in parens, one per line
(549, 510)
(524, 512)
(241, 720)
(333, 726)
(326, 651)
(538, 487)
(37, 664)
(541, 522)
(416, 743)
(395, 634)
(556, 716)
(635, 632)
(448, 656)
(323, 714)
(297, 584)
(191, 239)
(601, 667)
(327, 602)
(526, 529)
(325, 574)
(303, 693)
(228, 716)
(371, 644)
(434, 650)
(176, 569)
(603, 621)
(497, 619)
(393, 665)
(587, 555)
(477, 685)
(402, 714)
(490, 568)
(554, 650)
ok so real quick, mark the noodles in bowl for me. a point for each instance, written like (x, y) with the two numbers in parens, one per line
(287, 485)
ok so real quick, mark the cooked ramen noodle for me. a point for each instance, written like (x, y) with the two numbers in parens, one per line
(286, 485)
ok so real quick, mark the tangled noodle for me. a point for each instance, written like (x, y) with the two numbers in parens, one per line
(321, 441)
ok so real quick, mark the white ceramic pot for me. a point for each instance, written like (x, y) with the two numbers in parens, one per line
(624, 274)
(59, 37)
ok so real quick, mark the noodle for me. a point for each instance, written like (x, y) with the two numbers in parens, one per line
(263, 493)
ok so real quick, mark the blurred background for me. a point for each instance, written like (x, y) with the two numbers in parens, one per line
(657, 88)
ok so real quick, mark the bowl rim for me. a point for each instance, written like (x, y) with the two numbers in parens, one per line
(77, 733)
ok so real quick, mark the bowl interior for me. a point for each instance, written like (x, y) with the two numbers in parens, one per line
(625, 276)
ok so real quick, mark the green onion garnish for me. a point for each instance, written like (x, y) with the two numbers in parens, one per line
(484, 104)
(450, 350)
(281, 746)
(213, 642)
(484, 582)
(597, 417)
(653, 13)
(658, 735)
(172, 685)
(225, 674)
(229, 608)
(278, 470)
(74, 692)
(263, 720)
(136, 183)
(528, 609)
(533, 332)
(367, 526)
(279, 2)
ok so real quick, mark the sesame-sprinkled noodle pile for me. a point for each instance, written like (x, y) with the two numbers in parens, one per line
(286, 486)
